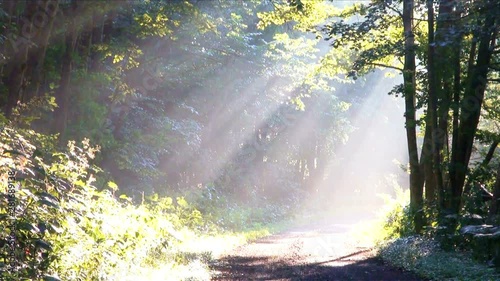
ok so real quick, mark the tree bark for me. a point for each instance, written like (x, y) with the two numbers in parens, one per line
(484, 164)
(495, 203)
(8, 8)
(491, 152)
(16, 67)
(63, 92)
(36, 57)
(416, 183)
(443, 50)
(431, 192)
(315, 173)
(432, 109)
(470, 112)
(97, 30)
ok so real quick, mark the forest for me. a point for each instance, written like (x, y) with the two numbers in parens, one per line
(149, 139)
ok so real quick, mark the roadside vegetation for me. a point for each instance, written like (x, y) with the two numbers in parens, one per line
(430, 255)
(136, 136)
(65, 228)
(144, 138)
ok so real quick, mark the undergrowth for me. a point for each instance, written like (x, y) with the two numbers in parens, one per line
(393, 237)
(56, 225)
(424, 257)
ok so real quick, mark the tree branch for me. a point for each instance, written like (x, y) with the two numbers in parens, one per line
(384, 65)
(386, 5)
(490, 153)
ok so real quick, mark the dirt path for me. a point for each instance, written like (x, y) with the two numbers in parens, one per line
(316, 252)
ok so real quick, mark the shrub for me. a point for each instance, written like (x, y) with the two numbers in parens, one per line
(30, 210)
(60, 226)
(396, 216)
(58, 223)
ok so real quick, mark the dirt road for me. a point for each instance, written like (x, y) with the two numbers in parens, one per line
(316, 252)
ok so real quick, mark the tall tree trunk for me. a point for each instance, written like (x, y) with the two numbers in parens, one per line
(495, 203)
(16, 66)
(36, 57)
(432, 108)
(484, 164)
(416, 183)
(97, 30)
(107, 30)
(454, 105)
(5, 28)
(470, 112)
(431, 191)
(63, 92)
(443, 48)
(312, 167)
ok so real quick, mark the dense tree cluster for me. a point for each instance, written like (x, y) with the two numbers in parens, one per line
(207, 100)
(180, 95)
(244, 102)
(166, 87)
(447, 52)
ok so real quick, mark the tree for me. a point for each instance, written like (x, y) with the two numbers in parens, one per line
(63, 92)
(472, 101)
(455, 50)
(409, 80)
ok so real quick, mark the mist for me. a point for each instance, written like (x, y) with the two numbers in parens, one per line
(152, 140)
(373, 159)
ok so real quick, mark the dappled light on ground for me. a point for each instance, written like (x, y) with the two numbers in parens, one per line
(151, 140)
(311, 252)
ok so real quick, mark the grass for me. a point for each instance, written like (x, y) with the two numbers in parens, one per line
(194, 254)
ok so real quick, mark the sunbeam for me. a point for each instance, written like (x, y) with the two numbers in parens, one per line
(155, 139)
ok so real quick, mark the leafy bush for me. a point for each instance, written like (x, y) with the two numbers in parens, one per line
(56, 222)
(30, 210)
(58, 225)
(223, 213)
(399, 246)
(397, 221)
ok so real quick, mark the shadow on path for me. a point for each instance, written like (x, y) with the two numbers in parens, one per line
(263, 268)
(313, 253)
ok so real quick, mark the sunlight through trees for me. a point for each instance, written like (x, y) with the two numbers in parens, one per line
(198, 118)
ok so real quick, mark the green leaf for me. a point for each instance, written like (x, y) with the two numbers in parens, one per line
(112, 185)
(80, 183)
(39, 243)
(28, 192)
(125, 197)
(50, 278)
(181, 201)
(48, 203)
(27, 226)
(56, 228)
(14, 152)
(47, 196)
